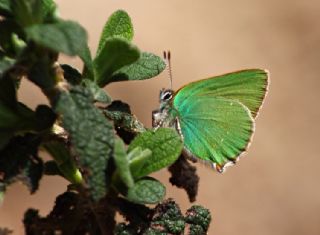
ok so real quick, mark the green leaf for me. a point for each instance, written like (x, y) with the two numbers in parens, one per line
(8, 28)
(27, 12)
(88, 69)
(19, 161)
(64, 160)
(137, 157)
(99, 95)
(91, 135)
(115, 54)
(5, 9)
(65, 36)
(199, 218)
(5, 64)
(122, 164)
(49, 10)
(166, 146)
(118, 25)
(71, 74)
(146, 191)
(148, 66)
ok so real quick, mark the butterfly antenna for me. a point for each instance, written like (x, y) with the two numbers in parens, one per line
(167, 58)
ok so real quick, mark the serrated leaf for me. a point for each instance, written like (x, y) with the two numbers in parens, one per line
(115, 54)
(122, 164)
(65, 36)
(118, 25)
(166, 146)
(99, 95)
(91, 135)
(147, 66)
(146, 191)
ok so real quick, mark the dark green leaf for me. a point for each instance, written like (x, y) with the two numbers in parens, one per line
(122, 163)
(45, 117)
(148, 66)
(198, 216)
(19, 162)
(8, 94)
(5, 7)
(88, 69)
(64, 36)
(99, 95)
(126, 121)
(91, 135)
(49, 10)
(5, 64)
(8, 28)
(27, 12)
(146, 191)
(166, 146)
(71, 74)
(118, 25)
(115, 54)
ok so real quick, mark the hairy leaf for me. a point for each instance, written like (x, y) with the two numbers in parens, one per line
(115, 54)
(99, 95)
(118, 25)
(19, 162)
(147, 66)
(165, 145)
(91, 135)
(65, 36)
(146, 191)
(122, 163)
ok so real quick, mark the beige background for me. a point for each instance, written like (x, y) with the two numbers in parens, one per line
(274, 189)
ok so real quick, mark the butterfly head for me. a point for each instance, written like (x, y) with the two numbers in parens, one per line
(160, 115)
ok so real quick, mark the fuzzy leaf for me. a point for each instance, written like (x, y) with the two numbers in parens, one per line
(91, 135)
(146, 191)
(118, 25)
(148, 66)
(64, 36)
(19, 162)
(115, 54)
(122, 164)
(166, 146)
(99, 95)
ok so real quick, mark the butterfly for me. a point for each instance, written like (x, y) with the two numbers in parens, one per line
(215, 117)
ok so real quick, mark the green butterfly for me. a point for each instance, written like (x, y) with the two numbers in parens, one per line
(215, 116)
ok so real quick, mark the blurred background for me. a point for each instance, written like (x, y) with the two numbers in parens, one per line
(273, 189)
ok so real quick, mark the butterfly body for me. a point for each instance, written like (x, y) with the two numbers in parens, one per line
(215, 116)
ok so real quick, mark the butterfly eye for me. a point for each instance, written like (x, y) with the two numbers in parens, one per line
(167, 96)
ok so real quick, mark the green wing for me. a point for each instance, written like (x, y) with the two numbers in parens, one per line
(247, 86)
(216, 114)
(215, 129)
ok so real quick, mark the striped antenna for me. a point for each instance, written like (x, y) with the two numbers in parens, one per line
(167, 59)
